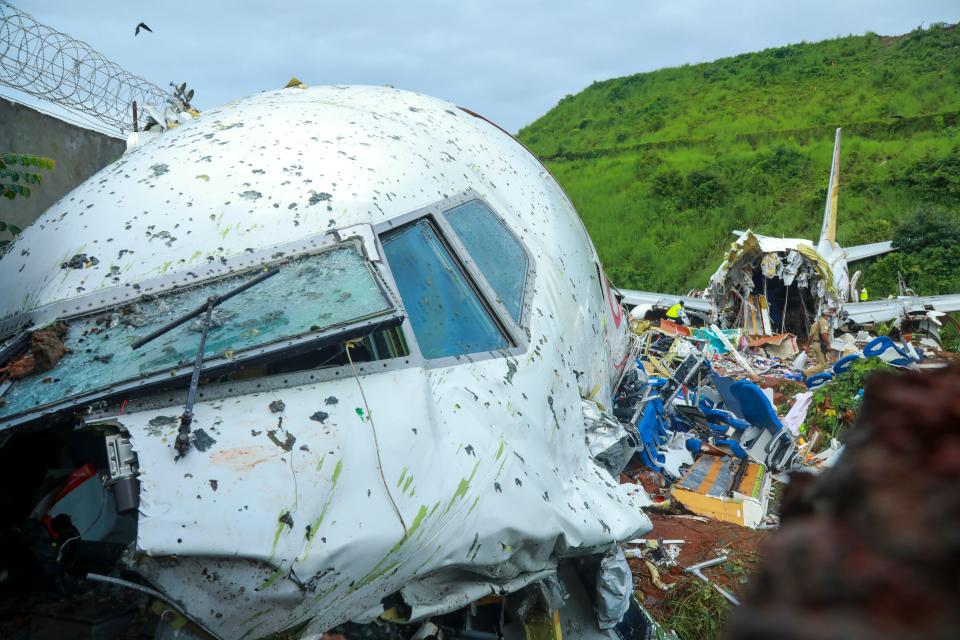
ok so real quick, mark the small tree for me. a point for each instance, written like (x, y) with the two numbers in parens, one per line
(18, 178)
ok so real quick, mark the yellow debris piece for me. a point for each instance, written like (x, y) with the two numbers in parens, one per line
(540, 625)
(295, 84)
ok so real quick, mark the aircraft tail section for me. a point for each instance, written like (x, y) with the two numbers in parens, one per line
(828, 232)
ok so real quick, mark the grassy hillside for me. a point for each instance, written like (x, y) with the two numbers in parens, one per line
(663, 165)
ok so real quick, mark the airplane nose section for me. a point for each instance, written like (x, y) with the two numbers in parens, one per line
(282, 491)
(312, 502)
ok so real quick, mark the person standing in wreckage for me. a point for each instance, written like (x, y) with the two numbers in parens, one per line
(820, 338)
(677, 313)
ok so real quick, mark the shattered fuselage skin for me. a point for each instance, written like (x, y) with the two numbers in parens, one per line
(281, 524)
(747, 252)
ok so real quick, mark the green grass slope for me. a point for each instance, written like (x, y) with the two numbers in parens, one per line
(663, 165)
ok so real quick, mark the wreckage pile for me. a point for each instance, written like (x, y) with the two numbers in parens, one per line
(716, 419)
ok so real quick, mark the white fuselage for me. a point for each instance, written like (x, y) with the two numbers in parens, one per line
(483, 456)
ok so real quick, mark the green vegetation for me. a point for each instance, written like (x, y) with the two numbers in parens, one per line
(928, 258)
(17, 173)
(17, 178)
(835, 405)
(663, 165)
(696, 610)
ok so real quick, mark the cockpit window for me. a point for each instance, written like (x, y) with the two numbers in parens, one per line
(321, 295)
(494, 249)
(447, 315)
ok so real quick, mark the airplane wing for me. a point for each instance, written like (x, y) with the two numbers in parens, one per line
(862, 251)
(884, 310)
(633, 298)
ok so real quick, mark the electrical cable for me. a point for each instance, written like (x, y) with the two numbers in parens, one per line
(376, 442)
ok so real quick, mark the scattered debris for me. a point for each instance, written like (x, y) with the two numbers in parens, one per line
(46, 348)
(80, 261)
(721, 416)
(286, 444)
(866, 567)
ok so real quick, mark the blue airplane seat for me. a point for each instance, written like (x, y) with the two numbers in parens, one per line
(756, 406)
(723, 418)
(734, 447)
(884, 346)
(730, 401)
(649, 428)
(843, 364)
(818, 380)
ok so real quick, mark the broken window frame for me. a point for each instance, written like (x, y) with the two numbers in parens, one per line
(515, 334)
(518, 335)
(147, 397)
(116, 297)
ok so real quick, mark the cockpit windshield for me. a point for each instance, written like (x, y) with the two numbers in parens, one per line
(318, 295)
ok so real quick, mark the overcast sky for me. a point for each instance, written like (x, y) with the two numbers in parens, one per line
(510, 60)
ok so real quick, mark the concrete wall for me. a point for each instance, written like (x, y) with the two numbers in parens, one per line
(79, 154)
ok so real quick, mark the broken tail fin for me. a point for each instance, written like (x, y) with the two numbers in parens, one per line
(828, 232)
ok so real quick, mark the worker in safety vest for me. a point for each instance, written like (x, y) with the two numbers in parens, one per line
(820, 338)
(864, 296)
(676, 313)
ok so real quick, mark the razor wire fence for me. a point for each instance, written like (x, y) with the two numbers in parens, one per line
(48, 64)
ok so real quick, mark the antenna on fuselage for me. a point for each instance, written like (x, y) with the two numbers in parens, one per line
(828, 232)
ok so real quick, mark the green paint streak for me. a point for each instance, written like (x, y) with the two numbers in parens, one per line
(320, 464)
(402, 475)
(500, 470)
(427, 560)
(411, 530)
(255, 616)
(435, 507)
(500, 450)
(315, 527)
(462, 488)
(421, 515)
(253, 628)
(407, 483)
(474, 505)
(276, 537)
(370, 577)
(196, 254)
(166, 266)
(271, 579)
(323, 594)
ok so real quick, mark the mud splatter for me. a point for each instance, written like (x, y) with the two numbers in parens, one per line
(511, 370)
(286, 444)
(80, 261)
(202, 440)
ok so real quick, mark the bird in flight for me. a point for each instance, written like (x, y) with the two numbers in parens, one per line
(142, 25)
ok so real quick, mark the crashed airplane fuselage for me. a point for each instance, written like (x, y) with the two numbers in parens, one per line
(397, 409)
(768, 285)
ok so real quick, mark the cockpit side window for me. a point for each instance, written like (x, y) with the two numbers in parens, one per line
(495, 250)
(446, 313)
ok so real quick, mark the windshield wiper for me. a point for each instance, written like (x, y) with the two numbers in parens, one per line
(182, 443)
